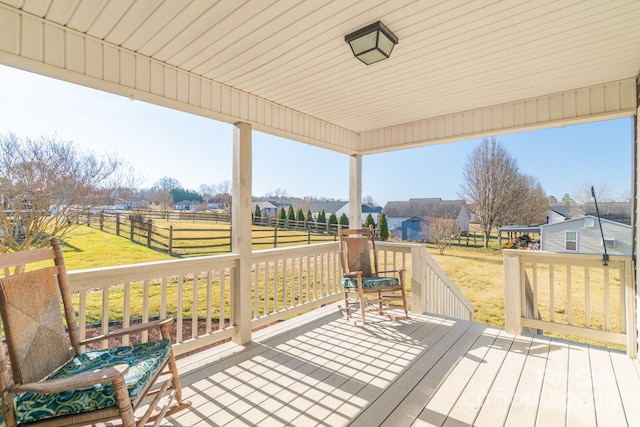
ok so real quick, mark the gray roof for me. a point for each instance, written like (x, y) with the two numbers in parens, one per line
(427, 207)
(613, 211)
(314, 207)
(564, 210)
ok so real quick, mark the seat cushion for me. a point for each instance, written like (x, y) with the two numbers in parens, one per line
(144, 360)
(370, 282)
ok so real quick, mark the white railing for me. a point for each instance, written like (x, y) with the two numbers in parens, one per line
(140, 292)
(288, 281)
(197, 292)
(572, 294)
(433, 291)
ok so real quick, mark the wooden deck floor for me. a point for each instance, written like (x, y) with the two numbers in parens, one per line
(321, 370)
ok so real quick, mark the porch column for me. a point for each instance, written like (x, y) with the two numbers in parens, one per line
(355, 191)
(241, 232)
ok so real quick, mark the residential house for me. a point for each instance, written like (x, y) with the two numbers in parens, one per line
(185, 205)
(559, 213)
(131, 203)
(582, 235)
(366, 210)
(266, 208)
(413, 230)
(317, 207)
(398, 212)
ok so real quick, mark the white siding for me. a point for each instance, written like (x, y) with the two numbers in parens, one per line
(589, 238)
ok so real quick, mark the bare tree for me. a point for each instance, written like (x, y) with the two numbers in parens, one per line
(369, 201)
(440, 231)
(45, 184)
(223, 187)
(582, 195)
(489, 178)
(529, 203)
(160, 193)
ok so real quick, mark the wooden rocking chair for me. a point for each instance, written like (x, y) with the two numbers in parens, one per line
(54, 381)
(359, 260)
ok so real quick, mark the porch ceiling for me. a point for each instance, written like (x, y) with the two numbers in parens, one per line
(453, 58)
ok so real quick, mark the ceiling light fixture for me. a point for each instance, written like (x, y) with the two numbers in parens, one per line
(372, 43)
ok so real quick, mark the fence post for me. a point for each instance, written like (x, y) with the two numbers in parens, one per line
(101, 220)
(149, 229)
(88, 219)
(308, 237)
(117, 224)
(170, 245)
(275, 236)
(131, 228)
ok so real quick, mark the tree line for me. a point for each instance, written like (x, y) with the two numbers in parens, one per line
(287, 217)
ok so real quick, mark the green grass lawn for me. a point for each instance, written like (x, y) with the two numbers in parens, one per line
(87, 247)
(478, 273)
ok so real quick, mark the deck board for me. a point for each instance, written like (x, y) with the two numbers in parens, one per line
(468, 406)
(524, 406)
(553, 403)
(319, 369)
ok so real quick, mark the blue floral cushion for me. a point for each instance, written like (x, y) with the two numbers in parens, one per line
(370, 282)
(144, 360)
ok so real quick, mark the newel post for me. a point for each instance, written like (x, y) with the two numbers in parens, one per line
(418, 284)
(512, 292)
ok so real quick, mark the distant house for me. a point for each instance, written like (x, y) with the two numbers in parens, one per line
(185, 205)
(131, 203)
(366, 210)
(317, 207)
(266, 208)
(413, 230)
(398, 212)
(559, 213)
(582, 235)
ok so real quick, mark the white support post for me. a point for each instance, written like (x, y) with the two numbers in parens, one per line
(512, 293)
(241, 232)
(355, 191)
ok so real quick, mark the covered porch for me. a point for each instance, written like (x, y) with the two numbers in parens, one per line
(462, 70)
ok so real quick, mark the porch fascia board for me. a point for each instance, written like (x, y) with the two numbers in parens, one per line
(34, 44)
(602, 102)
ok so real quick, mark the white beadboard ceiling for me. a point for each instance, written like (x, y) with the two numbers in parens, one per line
(453, 56)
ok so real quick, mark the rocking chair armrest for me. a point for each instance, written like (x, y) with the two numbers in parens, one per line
(353, 274)
(400, 270)
(160, 323)
(84, 379)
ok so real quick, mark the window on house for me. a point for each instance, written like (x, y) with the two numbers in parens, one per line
(571, 240)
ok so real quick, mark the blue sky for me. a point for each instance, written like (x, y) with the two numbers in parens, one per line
(159, 142)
